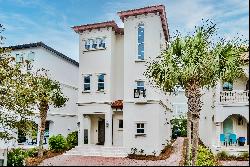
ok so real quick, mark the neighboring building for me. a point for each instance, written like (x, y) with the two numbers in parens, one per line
(61, 68)
(116, 104)
(226, 111)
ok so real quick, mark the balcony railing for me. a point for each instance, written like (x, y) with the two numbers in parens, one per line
(234, 96)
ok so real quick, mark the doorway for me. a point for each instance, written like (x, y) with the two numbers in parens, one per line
(228, 127)
(101, 132)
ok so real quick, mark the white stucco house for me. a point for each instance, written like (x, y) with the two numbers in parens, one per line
(61, 68)
(226, 111)
(116, 106)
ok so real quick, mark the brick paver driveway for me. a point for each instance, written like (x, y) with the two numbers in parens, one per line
(67, 160)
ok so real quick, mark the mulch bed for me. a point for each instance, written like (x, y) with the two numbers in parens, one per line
(35, 161)
(165, 153)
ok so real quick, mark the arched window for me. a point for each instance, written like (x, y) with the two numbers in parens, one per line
(227, 86)
(141, 41)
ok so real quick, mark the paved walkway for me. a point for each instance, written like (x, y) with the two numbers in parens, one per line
(67, 160)
(235, 163)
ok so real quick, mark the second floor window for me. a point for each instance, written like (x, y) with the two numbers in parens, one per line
(19, 58)
(86, 85)
(227, 86)
(141, 41)
(100, 82)
(140, 85)
(30, 59)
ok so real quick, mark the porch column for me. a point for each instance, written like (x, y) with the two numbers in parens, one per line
(108, 128)
(81, 131)
(218, 132)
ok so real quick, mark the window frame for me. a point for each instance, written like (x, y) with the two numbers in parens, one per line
(140, 127)
(228, 86)
(101, 90)
(21, 56)
(142, 43)
(84, 83)
(139, 87)
(120, 120)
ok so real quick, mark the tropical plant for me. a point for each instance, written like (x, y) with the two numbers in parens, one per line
(205, 157)
(72, 139)
(16, 157)
(194, 62)
(57, 143)
(16, 97)
(179, 127)
(47, 92)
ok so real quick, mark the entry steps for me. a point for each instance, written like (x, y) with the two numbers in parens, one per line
(96, 150)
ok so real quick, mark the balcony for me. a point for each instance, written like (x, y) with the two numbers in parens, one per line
(229, 97)
(140, 96)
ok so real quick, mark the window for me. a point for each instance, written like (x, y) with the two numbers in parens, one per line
(120, 124)
(140, 85)
(141, 41)
(19, 58)
(100, 82)
(91, 43)
(227, 86)
(30, 59)
(102, 43)
(86, 44)
(86, 85)
(140, 128)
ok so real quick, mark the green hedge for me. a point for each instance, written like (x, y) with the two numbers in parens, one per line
(205, 157)
(72, 139)
(57, 143)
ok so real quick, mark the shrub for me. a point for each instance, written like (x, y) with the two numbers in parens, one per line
(179, 127)
(33, 152)
(57, 143)
(223, 155)
(16, 157)
(245, 155)
(205, 157)
(72, 139)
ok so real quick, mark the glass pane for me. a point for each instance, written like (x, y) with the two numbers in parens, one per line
(101, 78)
(140, 85)
(120, 123)
(86, 87)
(138, 125)
(227, 86)
(31, 56)
(141, 51)
(140, 35)
(87, 79)
(142, 125)
(100, 86)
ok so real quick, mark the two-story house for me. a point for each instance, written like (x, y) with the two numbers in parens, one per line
(60, 68)
(224, 119)
(117, 107)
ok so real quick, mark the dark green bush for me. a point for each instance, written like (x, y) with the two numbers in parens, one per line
(33, 152)
(179, 127)
(205, 157)
(57, 143)
(16, 157)
(223, 155)
(245, 155)
(72, 139)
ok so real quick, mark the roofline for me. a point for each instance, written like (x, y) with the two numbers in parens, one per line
(41, 44)
(146, 10)
(84, 27)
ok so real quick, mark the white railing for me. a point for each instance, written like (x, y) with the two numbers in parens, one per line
(234, 96)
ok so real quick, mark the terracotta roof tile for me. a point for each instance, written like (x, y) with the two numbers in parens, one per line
(118, 104)
(85, 27)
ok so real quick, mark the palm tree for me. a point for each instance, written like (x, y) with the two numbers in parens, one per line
(194, 62)
(47, 92)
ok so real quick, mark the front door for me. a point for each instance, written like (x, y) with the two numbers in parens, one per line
(101, 132)
(228, 127)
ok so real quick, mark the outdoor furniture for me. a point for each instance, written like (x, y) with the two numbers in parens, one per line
(232, 139)
(241, 141)
(223, 139)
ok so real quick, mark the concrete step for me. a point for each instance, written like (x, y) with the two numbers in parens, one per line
(98, 151)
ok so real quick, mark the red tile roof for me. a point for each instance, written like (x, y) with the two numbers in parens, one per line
(85, 27)
(118, 104)
(146, 10)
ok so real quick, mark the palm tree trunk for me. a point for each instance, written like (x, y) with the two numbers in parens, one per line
(194, 107)
(188, 137)
(43, 108)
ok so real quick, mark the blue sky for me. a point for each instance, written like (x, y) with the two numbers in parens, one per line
(49, 21)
